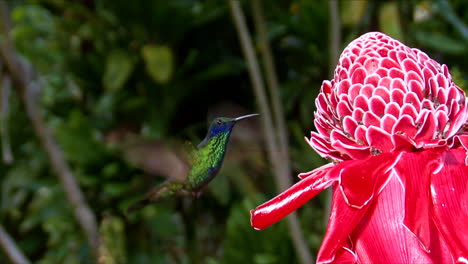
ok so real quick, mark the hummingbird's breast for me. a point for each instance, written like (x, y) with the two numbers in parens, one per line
(209, 161)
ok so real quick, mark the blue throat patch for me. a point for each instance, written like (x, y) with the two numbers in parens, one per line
(215, 130)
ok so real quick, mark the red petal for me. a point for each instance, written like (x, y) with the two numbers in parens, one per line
(380, 237)
(401, 55)
(413, 76)
(354, 91)
(343, 86)
(393, 109)
(397, 96)
(387, 123)
(388, 63)
(405, 125)
(277, 208)
(428, 129)
(358, 76)
(395, 73)
(326, 87)
(379, 139)
(367, 90)
(348, 146)
(343, 109)
(360, 181)
(416, 88)
(361, 102)
(360, 134)
(318, 172)
(377, 105)
(449, 189)
(358, 114)
(345, 256)
(403, 142)
(385, 82)
(372, 80)
(370, 119)
(343, 220)
(371, 65)
(409, 109)
(410, 65)
(382, 92)
(349, 125)
(414, 169)
(412, 98)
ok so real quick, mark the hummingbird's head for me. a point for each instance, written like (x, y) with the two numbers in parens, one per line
(224, 124)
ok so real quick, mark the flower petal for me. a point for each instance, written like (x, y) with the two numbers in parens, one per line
(361, 181)
(379, 139)
(318, 172)
(291, 199)
(449, 189)
(343, 220)
(414, 169)
(345, 255)
(381, 237)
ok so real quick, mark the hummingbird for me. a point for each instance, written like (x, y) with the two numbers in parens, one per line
(205, 161)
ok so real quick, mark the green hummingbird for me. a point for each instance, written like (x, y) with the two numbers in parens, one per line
(205, 162)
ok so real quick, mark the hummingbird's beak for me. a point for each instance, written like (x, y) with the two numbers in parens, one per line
(244, 116)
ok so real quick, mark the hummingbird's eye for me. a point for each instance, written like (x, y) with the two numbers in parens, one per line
(219, 122)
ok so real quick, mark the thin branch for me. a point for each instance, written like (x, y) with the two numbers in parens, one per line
(335, 42)
(335, 33)
(22, 75)
(280, 165)
(11, 249)
(271, 77)
(5, 90)
(256, 78)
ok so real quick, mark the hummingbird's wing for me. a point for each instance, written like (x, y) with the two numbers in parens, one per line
(202, 143)
(165, 189)
(190, 154)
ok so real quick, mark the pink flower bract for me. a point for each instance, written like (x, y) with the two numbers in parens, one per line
(392, 122)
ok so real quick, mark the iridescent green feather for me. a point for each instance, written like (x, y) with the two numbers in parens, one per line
(209, 158)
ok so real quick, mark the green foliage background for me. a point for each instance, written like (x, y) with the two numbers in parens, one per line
(158, 71)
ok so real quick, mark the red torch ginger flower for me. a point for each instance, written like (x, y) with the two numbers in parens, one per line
(392, 121)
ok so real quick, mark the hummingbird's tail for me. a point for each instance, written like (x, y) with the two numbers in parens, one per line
(164, 190)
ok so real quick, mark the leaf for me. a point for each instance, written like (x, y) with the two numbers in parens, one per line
(112, 230)
(440, 42)
(227, 67)
(119, 67)
(243, 244)
(159, 62)
(79, 139)
(353, 11)
(389, 20)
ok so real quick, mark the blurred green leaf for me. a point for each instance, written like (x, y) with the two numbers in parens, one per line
(112, 230)
(352, 11)
(119, 67)
(441, 42)
(159, 62)
(244, 244)
(79, 139)
(389, 20)
(459, 79)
